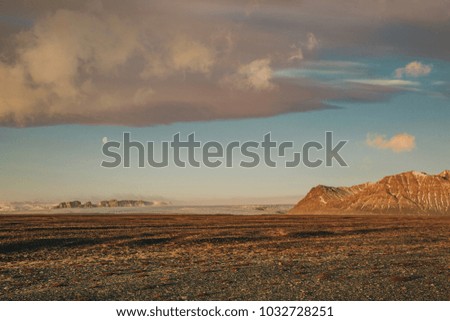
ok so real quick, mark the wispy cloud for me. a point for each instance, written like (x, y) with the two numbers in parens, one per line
(385, 82)
(413, 69)
(297, 54)
(312, 42)
(255, 75)
(399, 143)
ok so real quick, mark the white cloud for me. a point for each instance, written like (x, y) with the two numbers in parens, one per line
(71, 42)
(191, 56)
(57, 60)
(312, 42)
(296, 55)
(384, 82)
(256, 76)
(181, 54)
(70, 64)
(413, 69)
(403, 142)
(311, 45)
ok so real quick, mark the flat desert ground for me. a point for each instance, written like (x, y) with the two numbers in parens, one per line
(224, 257)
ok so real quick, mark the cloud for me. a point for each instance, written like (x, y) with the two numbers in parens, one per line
(145, 63)
(57, 60)
(311, 45)
(312, 42)
(398, 143)
(180, 55)
(413, 69)
(385, 82)
(143, 96)
(296, 55)
(253, 76)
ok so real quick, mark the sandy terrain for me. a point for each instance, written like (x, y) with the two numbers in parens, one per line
(197, 257)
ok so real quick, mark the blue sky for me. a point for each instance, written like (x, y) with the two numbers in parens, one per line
(258, 69)
(63, 162)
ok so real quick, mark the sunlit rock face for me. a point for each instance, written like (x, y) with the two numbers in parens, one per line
(406, 193)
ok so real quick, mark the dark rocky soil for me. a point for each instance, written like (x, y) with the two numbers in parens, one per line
(198, 257)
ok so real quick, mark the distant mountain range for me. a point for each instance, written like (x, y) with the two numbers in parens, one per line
(6, 207)
(110, 203)
(406, 193)
(24, 206)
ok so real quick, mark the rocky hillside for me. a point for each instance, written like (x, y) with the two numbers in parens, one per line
(406, 193)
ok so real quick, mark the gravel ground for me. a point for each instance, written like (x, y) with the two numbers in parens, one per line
(220, 257)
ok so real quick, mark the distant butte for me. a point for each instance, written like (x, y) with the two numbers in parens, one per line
(406, 193)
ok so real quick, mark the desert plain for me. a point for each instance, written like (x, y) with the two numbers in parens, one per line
(224, 257)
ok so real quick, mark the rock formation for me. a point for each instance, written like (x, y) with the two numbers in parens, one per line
(406, 193)
(108, 203)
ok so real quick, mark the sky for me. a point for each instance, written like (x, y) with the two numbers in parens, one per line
(76, 74)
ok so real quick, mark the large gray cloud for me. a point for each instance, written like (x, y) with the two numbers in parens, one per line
(151, 62)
